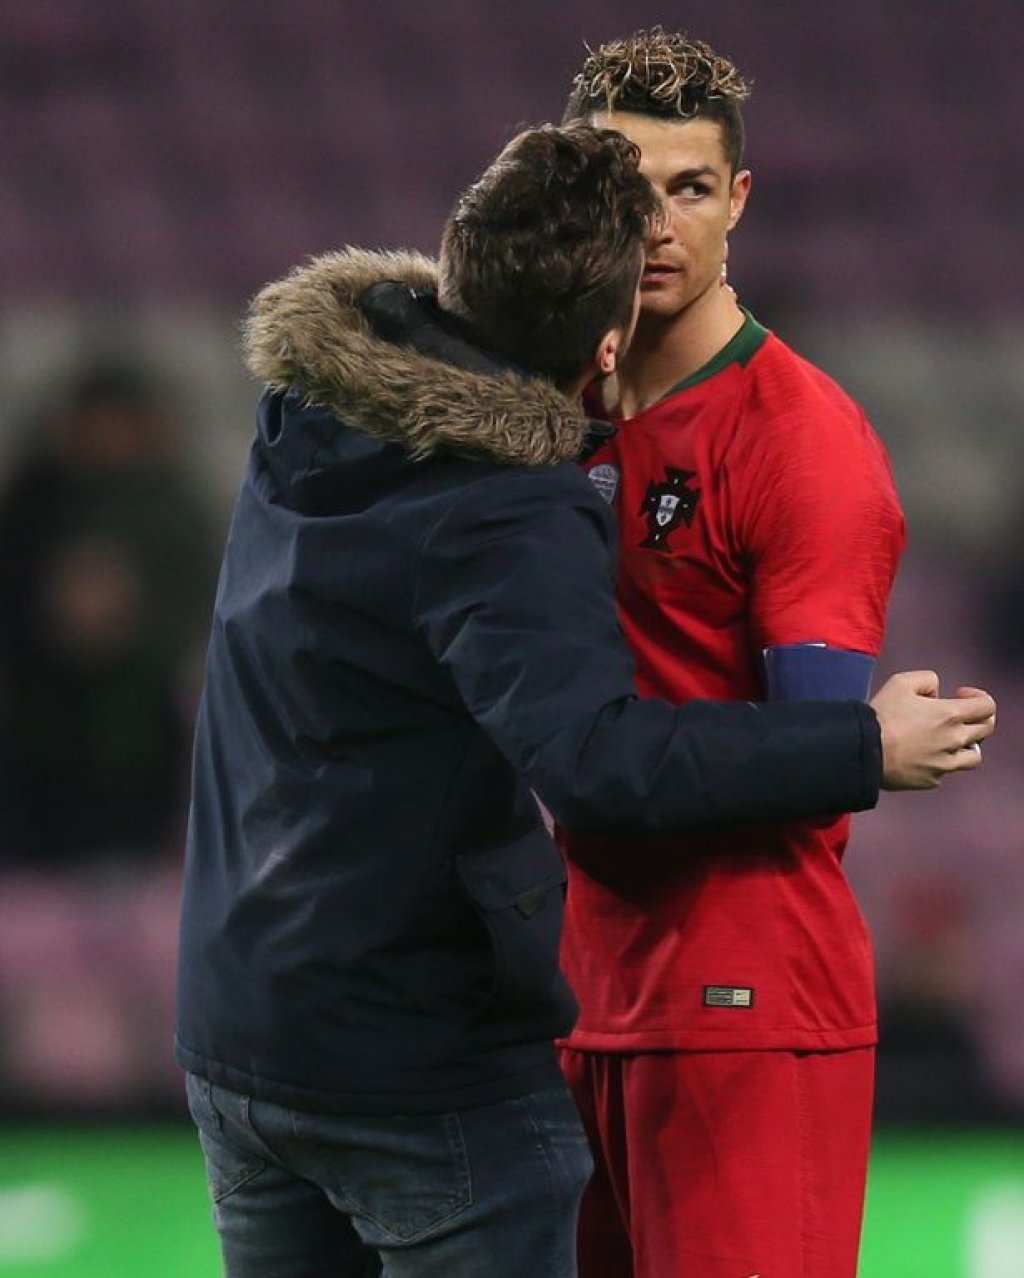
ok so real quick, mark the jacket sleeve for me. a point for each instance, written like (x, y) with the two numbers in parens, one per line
(515, 597)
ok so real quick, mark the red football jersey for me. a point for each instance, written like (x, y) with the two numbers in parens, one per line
(756, 508)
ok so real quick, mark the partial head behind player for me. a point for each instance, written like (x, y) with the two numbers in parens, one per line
(540, 257)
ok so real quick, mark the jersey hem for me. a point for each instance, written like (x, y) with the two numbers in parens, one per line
(680, 1040)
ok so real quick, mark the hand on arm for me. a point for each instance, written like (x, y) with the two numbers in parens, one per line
(925, 736)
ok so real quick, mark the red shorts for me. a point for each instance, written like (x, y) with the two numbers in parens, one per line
(723, 1164)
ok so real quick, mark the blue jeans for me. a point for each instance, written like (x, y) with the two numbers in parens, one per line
(489, 1192)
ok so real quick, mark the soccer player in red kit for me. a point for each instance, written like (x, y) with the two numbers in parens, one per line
(724, 1054)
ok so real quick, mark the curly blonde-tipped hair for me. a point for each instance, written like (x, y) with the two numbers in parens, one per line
(666, 74)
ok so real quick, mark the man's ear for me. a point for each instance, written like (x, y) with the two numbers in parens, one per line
(603, 362)
(738, 196)
(607, 354)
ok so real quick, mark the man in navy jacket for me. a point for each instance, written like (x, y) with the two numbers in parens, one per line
(415, 634)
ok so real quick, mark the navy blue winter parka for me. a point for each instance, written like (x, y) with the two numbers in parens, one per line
(414, 631)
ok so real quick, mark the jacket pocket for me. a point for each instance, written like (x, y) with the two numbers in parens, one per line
(518, 890)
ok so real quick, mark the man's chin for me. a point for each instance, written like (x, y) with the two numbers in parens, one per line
(660, 306)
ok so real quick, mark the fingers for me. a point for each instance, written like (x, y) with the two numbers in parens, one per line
(976, 696)
(924, 682)
(968, 756)
(964, 760)
(974, 706)
(977, 732)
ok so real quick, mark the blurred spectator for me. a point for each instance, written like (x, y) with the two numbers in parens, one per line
(107, 557)
(106, 561)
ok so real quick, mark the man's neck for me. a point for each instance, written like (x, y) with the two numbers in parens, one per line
(664, 353)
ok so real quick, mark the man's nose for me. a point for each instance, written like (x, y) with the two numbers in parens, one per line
(661, 229)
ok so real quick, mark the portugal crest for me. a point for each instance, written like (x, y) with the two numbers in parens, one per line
(667, 505)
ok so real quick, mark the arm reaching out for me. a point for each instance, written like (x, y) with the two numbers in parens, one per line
(924, 736)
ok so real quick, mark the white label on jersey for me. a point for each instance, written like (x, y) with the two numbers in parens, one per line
(605, 479)
(728, 996)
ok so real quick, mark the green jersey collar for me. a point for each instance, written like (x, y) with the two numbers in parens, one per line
(740, 349)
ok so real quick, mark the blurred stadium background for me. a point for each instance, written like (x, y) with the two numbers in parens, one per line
(160, 162)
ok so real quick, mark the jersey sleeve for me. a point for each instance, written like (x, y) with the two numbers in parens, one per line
(824, 530)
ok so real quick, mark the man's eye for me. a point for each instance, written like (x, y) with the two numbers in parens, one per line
(692, 190)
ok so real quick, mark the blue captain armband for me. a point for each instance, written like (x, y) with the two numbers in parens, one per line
(816, 672)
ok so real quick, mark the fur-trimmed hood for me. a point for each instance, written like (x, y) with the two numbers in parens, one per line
(308, 330)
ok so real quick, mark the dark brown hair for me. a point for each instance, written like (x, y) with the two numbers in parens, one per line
(541, 256)
(665, 74)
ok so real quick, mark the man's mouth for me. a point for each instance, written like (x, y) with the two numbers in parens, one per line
(654, 272)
